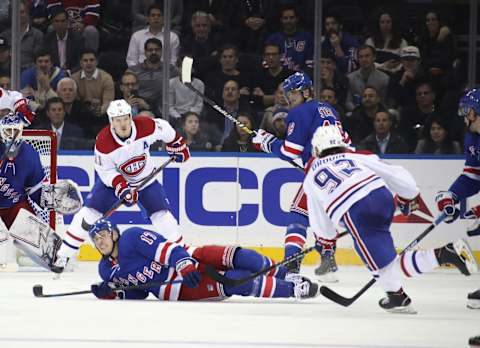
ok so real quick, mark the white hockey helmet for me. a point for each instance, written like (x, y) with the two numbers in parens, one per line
(118, 108)
(326, 138)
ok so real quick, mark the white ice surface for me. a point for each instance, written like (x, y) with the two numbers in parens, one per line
(83, 321)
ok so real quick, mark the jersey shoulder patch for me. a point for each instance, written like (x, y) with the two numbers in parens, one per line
(145, 126)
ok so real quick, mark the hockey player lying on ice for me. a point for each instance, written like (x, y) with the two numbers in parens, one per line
(138, 256)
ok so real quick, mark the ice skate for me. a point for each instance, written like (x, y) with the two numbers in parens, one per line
(473, 300)
(305, 289)
(59, 265)
(327, 268)
(459, 255)
(397, 302)
(294, 266)
(474, 342)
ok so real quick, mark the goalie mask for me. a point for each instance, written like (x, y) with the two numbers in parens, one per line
(11, 128)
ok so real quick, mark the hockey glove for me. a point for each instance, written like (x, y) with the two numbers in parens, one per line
(106, 291)
(474, 228)
(178, 149)
(446, 202)
(407, 206)
(186, 267)
(325, 246)
(124, 192)
(23, 111)
(263, 141)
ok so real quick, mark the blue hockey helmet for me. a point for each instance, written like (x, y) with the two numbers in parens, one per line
(298, 82)
(102, 224)
(11, 128)
(471, 100)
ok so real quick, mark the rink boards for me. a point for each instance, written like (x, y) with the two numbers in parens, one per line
(244, 200)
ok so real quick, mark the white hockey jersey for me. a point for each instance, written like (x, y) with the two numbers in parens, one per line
(130, 158)
(334, 183)
(10, 99)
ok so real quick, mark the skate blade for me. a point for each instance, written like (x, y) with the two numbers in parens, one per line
(473, 304)
(463, 250)
(329, 277)
(402, 310)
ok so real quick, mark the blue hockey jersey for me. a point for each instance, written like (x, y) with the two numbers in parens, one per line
(296, 50)
(468, 183)
(21, 176)
(144, 256)
(302, 122)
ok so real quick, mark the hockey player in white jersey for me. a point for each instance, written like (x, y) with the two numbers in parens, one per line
(122, 160)
(13, 101)
(354, 191)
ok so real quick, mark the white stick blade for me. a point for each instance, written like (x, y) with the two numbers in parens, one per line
(187, 64)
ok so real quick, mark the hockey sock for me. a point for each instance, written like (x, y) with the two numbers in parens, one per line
(296, 234)
(246, 259)
(262, 286)
(417, 262)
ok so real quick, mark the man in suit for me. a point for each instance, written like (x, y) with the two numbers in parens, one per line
(69, 136)
(64, 44)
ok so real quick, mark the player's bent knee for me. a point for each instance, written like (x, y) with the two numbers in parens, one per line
(164, 221)
(245, 289)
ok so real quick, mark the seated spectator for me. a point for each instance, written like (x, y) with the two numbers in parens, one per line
(437, 139)
(76, 111)
(31, 38)
(239, 140)
(278, 121)
(437, 46)
(39, 15)
(222, 13)
(5, 82)
(252, 16)
(342, 45)
(386, 39)
(328, 95)
(140, 12)
(69, 136)
(44, 74)
(366, 75)
(95, 86)
(270, 76)
(150, 74)
(195, 137)
(401, 89)
(413, 119)
(136, 49)
(360, 123)
(129, 90)
(5, 58)
(383, 140)
(65, 45)
(182, 98)
(83, 18)
(201, 44)
(279, 102)
(296, 45)
(228, 57)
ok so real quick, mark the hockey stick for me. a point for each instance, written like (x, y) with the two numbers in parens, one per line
(347, 301)
(187, 64)
(139, 187)
(38, 289)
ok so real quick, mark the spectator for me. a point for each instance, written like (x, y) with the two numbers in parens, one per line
(140, 11)
(278, 121)
(31, 38)
(360, 123)
(129, 90)
(386, 39)
(5, 58)
(239, 140)
(65, 45)
(150, 73)
(83, 17)
(367, 75)
(270, 76)
(5, 82)
(341, 44)
(329, 95)
(136, 49)
(228, 71)
(437, 45)
(437, 139)
(402, 84)
(413, 119)
(195, 137)
(279, 101)
(39, 15)
(383, 140)
(43, 75)
(182, 98)
(296, 46)
(76, 111)
(221, 13)
(95, 86)
(252, 27)
(69, 136)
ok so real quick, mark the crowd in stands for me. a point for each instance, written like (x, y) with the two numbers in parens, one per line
(395, 92)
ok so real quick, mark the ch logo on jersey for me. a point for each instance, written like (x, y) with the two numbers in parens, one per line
(134, 166)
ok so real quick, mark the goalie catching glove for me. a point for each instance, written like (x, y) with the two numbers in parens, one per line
(64, 197)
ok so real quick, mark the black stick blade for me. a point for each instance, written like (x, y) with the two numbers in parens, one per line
(333, 296)
(38, 290)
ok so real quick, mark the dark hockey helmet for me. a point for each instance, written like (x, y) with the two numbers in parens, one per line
(11, 128)
(298, 82)
(102, 224)
(471, 100)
